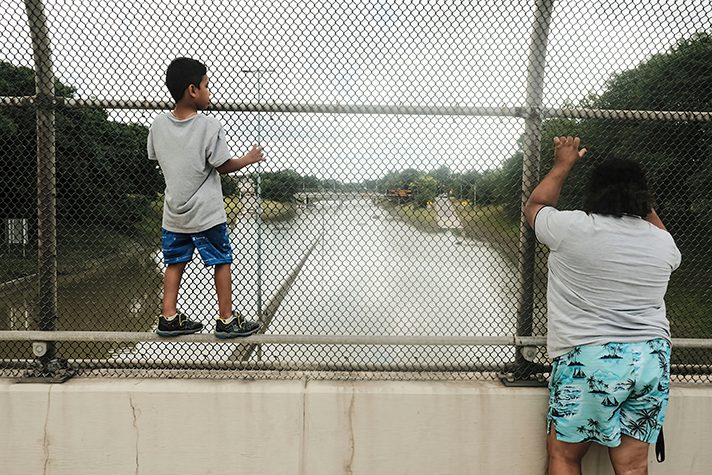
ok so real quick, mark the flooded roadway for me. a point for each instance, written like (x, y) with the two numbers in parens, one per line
(369, 274)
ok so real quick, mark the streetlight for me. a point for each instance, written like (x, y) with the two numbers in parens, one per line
(259, 72)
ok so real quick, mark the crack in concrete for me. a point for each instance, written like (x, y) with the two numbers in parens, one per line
(135, 426)
(352, 449)
(45, 440)
(304, 426)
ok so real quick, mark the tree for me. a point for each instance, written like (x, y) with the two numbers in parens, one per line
(485, 187)
(229, 185)
(425, 189)
(443, 176)
(104, 178)
(281, 186)
(676, 155)
(310, 182)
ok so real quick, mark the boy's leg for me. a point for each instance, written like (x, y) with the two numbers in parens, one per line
(223, 287)
(177, 251)
(171, 322)
(171, 284)
(230, 324)
(564, 457)
(631, 457)
(215, 250)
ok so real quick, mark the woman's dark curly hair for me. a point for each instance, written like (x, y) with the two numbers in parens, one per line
(618, 187)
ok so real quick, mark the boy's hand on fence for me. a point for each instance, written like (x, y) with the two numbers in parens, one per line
(255, 155)
(566, 151)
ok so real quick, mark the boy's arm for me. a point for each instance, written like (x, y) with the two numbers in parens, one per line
(255, 155)
(546, 193)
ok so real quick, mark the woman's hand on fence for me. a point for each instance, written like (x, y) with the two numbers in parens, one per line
(567, 152)
(546, 193)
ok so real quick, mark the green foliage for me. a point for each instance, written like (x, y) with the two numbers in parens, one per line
(229, 185)
(476, 187)
(310, 182)
(485, 187)
(677, 156)
(399, 180)
(104, 178)
(444, 178)
(331, 185)
(281, 186)
(425, 189)
(508, 186)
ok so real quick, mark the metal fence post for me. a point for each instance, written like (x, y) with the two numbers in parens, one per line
(46, 187)
(530, 175)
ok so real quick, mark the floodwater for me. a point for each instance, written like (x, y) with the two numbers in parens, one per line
(368, 274)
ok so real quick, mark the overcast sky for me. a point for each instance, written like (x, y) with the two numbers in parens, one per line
(385, 52)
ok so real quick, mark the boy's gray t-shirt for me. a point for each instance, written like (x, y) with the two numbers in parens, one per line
(607, 278)
(189, 151)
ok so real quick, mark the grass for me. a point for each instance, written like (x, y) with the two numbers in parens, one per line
(689, 309)
(424, 219)
(82, 249)
(489, 224)
(77, 251)
(689, 295)
(14, 266)
(149, 227)
(486, 220)
(274, 211)
(689, 300)
(233, 208)
(484, 223)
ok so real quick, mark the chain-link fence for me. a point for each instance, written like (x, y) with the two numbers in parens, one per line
(384, 233)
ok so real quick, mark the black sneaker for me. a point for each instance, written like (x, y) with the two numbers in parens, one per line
(238, 326)
(179, 325)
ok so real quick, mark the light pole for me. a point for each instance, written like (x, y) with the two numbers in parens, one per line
(259, 72)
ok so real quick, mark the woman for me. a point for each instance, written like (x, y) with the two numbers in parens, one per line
(608, 333)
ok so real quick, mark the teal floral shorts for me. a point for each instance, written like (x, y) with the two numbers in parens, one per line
(598, 392)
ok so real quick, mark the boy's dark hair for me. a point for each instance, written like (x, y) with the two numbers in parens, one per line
(181, 73)
(618, 187)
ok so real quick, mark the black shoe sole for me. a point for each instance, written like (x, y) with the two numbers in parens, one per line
(177, 332)
(228, 335)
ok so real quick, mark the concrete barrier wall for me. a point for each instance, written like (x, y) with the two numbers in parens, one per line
(110, 426)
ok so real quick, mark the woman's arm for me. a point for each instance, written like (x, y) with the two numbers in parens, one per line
(546, 193)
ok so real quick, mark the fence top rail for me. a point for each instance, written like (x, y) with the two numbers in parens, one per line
(506, 340)
(93, 336)
(378, 109)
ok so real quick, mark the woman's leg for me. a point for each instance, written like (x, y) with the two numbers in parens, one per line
(564, 457)
(631, 457)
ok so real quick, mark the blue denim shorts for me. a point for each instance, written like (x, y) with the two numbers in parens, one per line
(598, 392)
(213, 245)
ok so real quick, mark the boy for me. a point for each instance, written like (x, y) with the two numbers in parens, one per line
(191, 150)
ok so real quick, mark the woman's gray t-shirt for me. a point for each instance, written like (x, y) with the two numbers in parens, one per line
(607, 278)
(189, 151)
